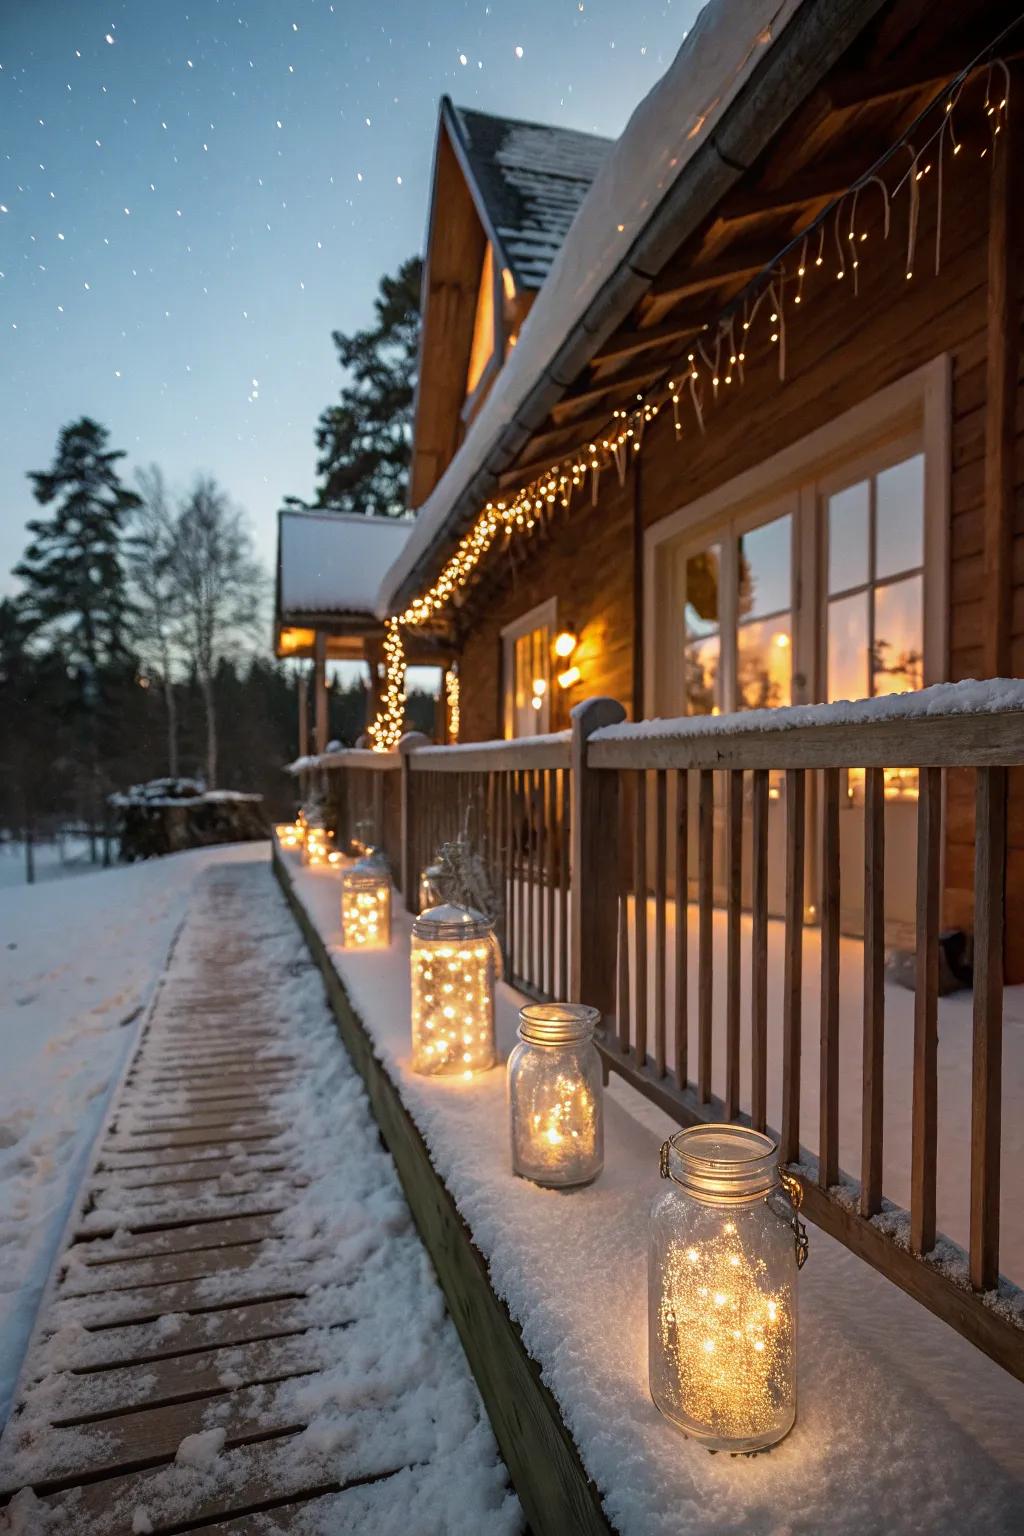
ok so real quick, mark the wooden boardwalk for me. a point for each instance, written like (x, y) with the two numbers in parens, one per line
(214, 1353)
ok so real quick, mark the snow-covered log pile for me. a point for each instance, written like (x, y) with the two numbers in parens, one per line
(169, 815)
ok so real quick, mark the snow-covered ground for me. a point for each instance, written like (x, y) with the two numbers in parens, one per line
(903, 1427)
(78, 963)
(53, 861)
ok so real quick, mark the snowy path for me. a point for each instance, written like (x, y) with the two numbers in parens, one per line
(246, 1335)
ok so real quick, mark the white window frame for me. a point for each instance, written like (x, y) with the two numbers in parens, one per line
(543, 615)
(919, 403)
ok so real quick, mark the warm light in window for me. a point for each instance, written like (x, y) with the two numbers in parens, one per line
(540, 686)
(781, 640)
(565, 643)
(508, 283)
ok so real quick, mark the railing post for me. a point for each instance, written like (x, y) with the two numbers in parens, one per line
(594, 890)
(409, 875)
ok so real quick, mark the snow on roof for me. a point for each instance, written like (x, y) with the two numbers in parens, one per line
(727, 42)
(533, 179)
(332, 562)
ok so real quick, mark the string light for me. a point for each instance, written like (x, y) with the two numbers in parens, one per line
(507, 520)
(451, 694)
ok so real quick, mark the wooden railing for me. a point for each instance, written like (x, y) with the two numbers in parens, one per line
(511, 802)
(363, 794)
(706, 891)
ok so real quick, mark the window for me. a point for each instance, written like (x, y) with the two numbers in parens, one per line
(703, 642)
(875, 599)
(819, 574)
(764, 634)
(526, 655)
(483, 324)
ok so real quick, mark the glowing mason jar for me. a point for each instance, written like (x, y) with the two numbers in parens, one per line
(289, 834)
(431, 894)
(452, 959)
(726, 1244)
(365, 906)
(555, 1085)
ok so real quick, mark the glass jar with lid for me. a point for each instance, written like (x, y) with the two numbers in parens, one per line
(452, 960)
(725, 1246)
(555, 1086)
(366, 906)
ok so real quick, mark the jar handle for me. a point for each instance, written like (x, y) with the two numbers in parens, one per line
(795, 1194)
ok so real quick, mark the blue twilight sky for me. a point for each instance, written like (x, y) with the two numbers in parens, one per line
(193, 195)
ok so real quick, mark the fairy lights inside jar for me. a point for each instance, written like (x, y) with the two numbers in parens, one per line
(365, 906)
(555, 1095)
(453, 971)
(725, 1248)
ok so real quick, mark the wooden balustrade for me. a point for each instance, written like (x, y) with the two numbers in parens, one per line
(674, 840)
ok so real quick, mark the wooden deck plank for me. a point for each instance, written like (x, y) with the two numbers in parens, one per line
(221, 1232)
(256, 1476)
(166, 1269)
(176, 1378)
(166, 1173)
(100, 1309)
(183, 1334)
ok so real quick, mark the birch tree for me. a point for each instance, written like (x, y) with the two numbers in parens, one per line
(219, 591)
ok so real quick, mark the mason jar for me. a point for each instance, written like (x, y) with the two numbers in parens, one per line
(555, 1085)
(452, 973)
(725, 1246)
(365, 906)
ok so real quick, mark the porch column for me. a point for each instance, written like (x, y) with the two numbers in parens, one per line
(373, 650)
(320, 689)
(302, 688)
(1005, 252)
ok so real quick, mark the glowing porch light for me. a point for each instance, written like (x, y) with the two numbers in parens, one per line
(555, 1095)
(452, 960)
(726, 1244)
(365, 906)
(565, 643)
(569, 677)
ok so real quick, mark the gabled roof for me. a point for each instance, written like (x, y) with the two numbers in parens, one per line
(333, 562)
(531, 180)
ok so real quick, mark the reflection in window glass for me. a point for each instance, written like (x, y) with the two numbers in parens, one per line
(848, 545)
(764, 567)
(898, 660)
(701, 681)
(899, 517)
(848, 647)
(764, 663)
(703, 645)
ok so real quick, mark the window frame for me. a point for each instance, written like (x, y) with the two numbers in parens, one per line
(542, 616)
(916, 407)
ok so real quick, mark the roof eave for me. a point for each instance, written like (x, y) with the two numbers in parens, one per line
(790, 68)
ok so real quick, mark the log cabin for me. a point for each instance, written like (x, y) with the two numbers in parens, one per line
(742, 392)
(839, 512)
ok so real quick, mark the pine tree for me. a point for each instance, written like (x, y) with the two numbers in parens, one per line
(73, 569)
(364, 441)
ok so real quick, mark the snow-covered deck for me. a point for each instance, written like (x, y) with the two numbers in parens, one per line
(902, 1426)
(246, 1334)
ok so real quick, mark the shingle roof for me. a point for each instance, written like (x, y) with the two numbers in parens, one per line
(532, 179)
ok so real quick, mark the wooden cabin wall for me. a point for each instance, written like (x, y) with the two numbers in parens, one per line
(586, 561)
(841, 350)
